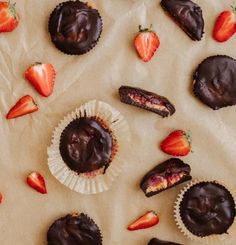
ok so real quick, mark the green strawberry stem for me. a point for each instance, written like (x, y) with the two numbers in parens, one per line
(189, 138)
(12, 7)
(154, 212)
(145, 29)
(233, 9)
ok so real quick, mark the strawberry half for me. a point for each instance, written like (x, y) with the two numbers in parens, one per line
(36, 181)
(225, 26)
(24, 106)
(0, 197)
(146, 43)
(149, 219)
(42, 77)
(9, 19)
(178, 143)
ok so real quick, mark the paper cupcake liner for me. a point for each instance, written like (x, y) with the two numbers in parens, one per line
(92, 45)
(211, 239)
(96, 181)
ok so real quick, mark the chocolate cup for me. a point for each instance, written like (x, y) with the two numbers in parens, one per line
(215, 81)
(95, 181)
(63, 46)
(155, 241)
(90, 145)
(206, 216)
(74, 229)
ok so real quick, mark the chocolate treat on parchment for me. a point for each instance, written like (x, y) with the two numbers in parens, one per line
(164, 176)
(74, 229)
(188, 15)
(146, 100)
(215, 81)
(75, 27)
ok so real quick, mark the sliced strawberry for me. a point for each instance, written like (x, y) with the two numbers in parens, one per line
(24, 106)
(149, 219)
(0, 197)
(178, 143)
(225, 26)
(36, 181)
(9, 18)
(42, 77)
(146, 43)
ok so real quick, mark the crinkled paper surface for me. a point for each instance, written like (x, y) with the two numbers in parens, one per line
(25, 215)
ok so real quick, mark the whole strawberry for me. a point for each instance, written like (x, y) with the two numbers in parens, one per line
(42, 77)
(9, 18)
(146, 43)
(177, 143)
(225, 26)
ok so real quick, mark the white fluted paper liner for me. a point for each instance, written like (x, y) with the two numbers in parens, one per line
(98, 182)
(211, 239)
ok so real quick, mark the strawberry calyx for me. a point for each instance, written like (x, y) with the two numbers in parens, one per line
(37, 63)
(145, 29)
(233, 8)
(189, 139)
(154, 212)
(12, 8)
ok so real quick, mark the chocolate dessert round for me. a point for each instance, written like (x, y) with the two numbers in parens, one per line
(207, 208)
(156, 241)
(73, 230)
(215, 81)
(86, 145)
(75, 27)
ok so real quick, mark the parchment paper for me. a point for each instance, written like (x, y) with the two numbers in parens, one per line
(26, 215)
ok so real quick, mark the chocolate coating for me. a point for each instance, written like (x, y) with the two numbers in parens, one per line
(155, 241)
(188, 15)
(207, 208)
(74, 230)
(164, 176)
(146, 100)
(215, 81)
(86, 145)
(75, 27)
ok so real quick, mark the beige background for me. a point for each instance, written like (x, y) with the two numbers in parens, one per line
(26, 215)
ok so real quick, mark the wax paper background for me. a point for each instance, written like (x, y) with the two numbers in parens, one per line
(25, 215)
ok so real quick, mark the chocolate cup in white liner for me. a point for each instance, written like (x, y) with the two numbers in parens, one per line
(209, 239)
(96, 181)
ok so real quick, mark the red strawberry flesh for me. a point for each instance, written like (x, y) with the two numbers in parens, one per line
(149, 219)
(146, 43)
(178, 143)
(36, 181)
(9, 18)
(42, 77)
(225, 26)
(24, 106)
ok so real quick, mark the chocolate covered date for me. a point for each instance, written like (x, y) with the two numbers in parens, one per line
(164, 176)
(155, 241)
(146, 100)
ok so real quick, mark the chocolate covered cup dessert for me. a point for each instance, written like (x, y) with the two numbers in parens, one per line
(156, 241)
(74, 229)
(205, 210)
(75, 27)
(88, 147)
(215, 81)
